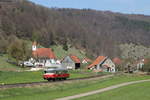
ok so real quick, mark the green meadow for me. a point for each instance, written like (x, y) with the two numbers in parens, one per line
(51, 92)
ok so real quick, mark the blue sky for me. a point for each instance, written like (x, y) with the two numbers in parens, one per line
(123, 6)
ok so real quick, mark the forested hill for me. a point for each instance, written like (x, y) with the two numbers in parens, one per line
(97, 32)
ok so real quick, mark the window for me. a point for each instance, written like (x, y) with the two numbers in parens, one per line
(50, 71)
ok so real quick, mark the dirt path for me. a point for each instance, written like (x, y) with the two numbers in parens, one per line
(101, 90)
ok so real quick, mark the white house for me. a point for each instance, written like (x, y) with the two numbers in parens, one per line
(103, 64)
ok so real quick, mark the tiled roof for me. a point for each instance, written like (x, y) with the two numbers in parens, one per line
(117, 61)
(97, 61)
(44, 53)
(75, 58)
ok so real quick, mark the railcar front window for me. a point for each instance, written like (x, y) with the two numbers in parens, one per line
(50, 71)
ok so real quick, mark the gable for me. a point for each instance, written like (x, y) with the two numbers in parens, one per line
(67, 60)
(108, 62)
(86, 60)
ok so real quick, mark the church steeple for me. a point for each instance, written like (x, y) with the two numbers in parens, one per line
(34, 44)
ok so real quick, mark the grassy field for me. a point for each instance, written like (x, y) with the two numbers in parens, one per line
(9, 77)
(138, 91)
(66, 89)
(4, 65)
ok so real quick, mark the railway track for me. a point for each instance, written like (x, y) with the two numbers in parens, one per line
(30, 84)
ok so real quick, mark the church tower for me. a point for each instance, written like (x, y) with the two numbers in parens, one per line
(34, 48)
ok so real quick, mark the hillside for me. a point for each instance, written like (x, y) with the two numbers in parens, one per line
(97, 32)
(61, 53)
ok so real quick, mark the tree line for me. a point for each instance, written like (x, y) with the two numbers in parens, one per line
(97, 32)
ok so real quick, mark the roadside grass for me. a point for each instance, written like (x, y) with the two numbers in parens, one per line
(139, 91)
(54, 91)
(61, 53)
(10, 77)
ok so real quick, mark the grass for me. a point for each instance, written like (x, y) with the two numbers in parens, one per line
(138, 91)
(4, 65)
(9, 77)
(61, 53)
(66, 89)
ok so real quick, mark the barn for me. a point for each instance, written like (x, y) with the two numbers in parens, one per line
(71, 62)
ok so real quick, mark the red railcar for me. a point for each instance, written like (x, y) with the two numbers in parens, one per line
(56, 73)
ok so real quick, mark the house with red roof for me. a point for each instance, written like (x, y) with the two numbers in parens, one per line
(103, 64)
(43, 56)
(71, 62)
(86, 60)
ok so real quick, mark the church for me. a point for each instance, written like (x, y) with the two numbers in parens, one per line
(43, 57)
